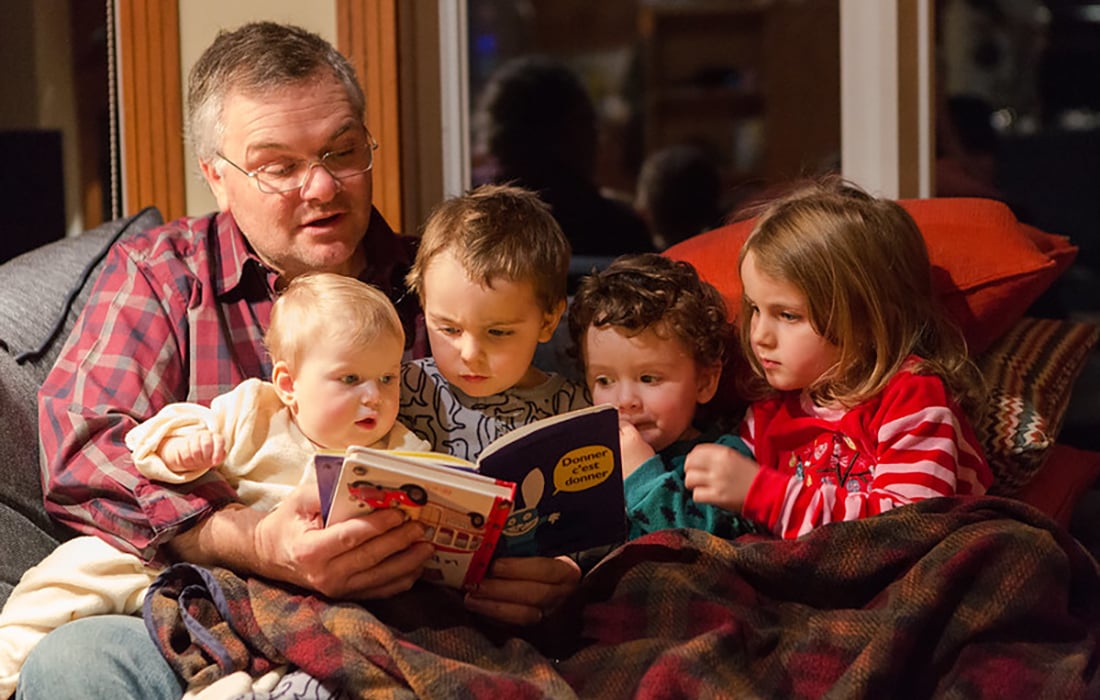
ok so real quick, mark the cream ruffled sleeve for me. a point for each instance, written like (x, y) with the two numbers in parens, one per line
(235, 415)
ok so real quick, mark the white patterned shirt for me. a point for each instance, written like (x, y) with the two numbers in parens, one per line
(462, 425)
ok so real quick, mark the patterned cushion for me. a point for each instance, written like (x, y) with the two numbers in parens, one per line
(1030, 372)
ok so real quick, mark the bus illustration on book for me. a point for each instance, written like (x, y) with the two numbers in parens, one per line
(459, 539)
(551, 487)
(408, 496)
(463, 512)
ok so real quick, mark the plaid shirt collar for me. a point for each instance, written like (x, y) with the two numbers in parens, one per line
(236, 265)
(238, 268)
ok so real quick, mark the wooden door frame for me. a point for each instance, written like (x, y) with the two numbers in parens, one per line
(151, 102)
(367, 33)
(887, 85)
(150, 106)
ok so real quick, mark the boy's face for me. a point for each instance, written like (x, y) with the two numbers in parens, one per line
(342, 393)
(653, 381)
(483, 338)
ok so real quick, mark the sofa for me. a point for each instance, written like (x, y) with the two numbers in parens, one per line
(42, 292)
(959, 555)
(1033, 363)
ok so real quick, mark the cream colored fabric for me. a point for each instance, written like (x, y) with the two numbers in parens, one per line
(267, 457)
(266, 454)
(84, 576)
(236, 684)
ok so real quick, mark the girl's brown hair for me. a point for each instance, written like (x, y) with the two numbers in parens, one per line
(863, 265)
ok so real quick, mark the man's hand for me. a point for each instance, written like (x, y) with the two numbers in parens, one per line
(522, 590)
(197, 452)
(719, 475)
(373, 556)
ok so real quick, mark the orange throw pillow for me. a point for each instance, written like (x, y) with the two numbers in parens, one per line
(988, 268)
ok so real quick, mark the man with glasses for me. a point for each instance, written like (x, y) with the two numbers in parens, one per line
(276, 120)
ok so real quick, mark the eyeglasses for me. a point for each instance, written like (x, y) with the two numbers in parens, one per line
(289, 174)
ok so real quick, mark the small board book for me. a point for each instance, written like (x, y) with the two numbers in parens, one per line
(552, 487)
(569, 476)
(464, 512)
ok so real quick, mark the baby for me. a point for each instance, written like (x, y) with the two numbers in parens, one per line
(336, 345)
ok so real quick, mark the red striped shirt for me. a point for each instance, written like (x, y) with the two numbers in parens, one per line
(821, 465)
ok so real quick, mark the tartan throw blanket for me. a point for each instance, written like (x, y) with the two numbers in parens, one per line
(949, 597)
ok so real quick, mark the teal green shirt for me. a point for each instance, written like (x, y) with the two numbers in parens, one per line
(656, 498)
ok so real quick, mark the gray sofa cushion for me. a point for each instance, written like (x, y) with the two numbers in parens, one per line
(41, 294)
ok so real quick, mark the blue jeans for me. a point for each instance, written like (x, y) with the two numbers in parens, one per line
(108, 656)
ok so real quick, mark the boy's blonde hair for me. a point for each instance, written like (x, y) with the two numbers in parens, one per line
(863, 265)
(498, 232)
(322, 307)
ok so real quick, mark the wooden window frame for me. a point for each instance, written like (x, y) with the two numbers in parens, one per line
(367, 33)
(151, 114)
(151, 103)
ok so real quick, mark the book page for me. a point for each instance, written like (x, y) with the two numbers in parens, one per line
(463, 512)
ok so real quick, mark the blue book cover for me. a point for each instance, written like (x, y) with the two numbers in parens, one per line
(569, 477)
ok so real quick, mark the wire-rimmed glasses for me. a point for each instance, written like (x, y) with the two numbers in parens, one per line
(287, 175)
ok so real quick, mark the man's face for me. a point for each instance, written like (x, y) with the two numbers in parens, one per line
(319, 226)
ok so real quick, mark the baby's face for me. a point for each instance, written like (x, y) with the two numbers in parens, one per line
(483, 338)
(347, 394)
(653, 380)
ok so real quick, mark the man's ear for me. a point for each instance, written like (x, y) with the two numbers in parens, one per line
(215, 179)
(550, 321)
(283, 381)
(707, 382)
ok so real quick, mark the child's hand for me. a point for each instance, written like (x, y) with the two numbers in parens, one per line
(635, 449)
(719, 475)
(196, 452)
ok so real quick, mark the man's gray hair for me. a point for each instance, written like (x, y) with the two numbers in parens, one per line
(255, 59)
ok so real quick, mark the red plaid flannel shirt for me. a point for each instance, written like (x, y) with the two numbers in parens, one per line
(177, 314)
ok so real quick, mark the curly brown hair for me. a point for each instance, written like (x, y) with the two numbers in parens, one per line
(647, 290)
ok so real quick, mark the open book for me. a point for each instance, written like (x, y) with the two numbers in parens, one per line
(551, 487)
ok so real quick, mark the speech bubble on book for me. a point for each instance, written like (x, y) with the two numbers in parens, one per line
(583, 468)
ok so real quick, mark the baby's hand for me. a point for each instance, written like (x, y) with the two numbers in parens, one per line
(719, 475)
(196, 452)
(635, 449)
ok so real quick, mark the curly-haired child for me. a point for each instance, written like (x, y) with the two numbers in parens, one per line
(652, 338)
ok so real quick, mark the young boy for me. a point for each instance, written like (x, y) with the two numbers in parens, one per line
(491, 275)
(336, 345)
(652, 337)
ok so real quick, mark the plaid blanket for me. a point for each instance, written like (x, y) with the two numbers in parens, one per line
(952, 597)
